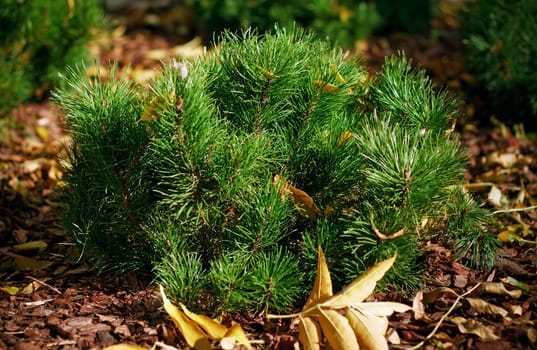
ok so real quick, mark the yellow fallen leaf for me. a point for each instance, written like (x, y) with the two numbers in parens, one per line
(474, 327)
(192, 333)
(370, 322)
(228, 343)
(193, 48)
(393, 337)
(304, 203)
(40, 246)
(345, 14)
(334, 71)
(23, 263)
(98, 71)
(10, 290)
(210, 326)
(30, 288)
(325, 86)
(143, 76)
(156, 106)
(309, 333)
(151, 109)
(508, 236)
(521, 229)
(42, 132)
(418, 307)
(32, 165)
(71, 6)
(157, 54)
(343, 138)
(369, 329)
(497, 198)
(364, 325)
(433, 295)
(362, 287)
(125, 347)
(505, 160)
(498, 288)
(382, 308)
(267, 72)
(516, 283)
(235, 335)
(337, 330)
(328, 210)
(531, 333)
(481, 306)
(322, 287)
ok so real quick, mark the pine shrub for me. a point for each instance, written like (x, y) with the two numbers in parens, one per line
(226, 174)
(38, 39)
(501, 50)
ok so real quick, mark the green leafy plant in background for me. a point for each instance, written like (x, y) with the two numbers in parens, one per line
(341, 21)
(38, 39)
(410, 16)
(501, 50)
(225, 176)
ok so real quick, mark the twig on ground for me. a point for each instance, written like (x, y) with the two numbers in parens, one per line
(44, 284)
(512, 210)
(433, 332)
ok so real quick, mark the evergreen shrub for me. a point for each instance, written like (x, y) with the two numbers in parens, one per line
(38, 39)
(225, 176)
(501, 50)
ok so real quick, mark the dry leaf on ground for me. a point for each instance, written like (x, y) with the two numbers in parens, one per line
(198, 329)
(344, 320)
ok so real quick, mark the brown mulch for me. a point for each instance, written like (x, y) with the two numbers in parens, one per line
(66, 306)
